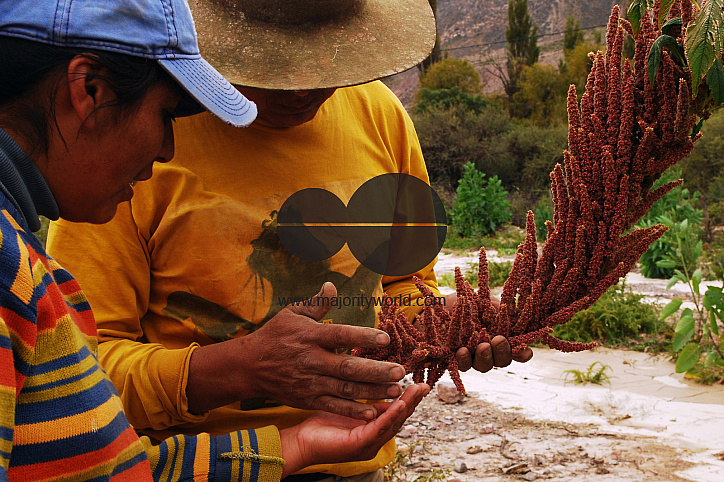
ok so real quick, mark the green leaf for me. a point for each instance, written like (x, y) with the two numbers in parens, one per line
(686, 324)
(703, 41)
(666, 263)
(680, 340)
(665, 9)
(708, 302)
(697, 128)
(715, 81)
(671, 308)
(670, 23)
(636, 11)
(672, 282)
(654, 58)
(714, 291)
(710, 358)
(696, 280)
(688, 358)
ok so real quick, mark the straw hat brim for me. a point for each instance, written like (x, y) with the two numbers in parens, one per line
(383, 38)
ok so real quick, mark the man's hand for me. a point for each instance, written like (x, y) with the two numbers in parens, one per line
(329, 438)
(293, 360)
(497, 353)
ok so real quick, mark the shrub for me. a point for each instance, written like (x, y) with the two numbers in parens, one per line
(677, 211)
(451, 72)
(618, 317)
(505, 240)
(451, 137)
(447, 98)
(481, 205)
(543, 212)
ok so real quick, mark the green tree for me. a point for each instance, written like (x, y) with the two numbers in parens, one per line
(449, 98)
(573, 35)
(541, 95)
(436, 54)
(450, 136)
(480, 206)
(577, 64)
(521, 34)
(522, 37)
(449, 73)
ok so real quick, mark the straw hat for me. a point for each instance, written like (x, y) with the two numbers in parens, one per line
(312, 44)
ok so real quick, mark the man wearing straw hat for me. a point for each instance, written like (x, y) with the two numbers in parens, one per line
(197, 252)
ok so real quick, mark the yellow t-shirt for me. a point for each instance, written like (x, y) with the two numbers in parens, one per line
(194, 258)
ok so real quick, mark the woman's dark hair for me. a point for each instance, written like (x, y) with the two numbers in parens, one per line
(28, 108)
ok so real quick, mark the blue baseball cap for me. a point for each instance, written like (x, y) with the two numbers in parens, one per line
(155, 29)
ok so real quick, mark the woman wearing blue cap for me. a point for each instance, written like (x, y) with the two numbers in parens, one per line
(88, 92)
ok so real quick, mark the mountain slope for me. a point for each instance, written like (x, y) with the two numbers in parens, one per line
(475, 30)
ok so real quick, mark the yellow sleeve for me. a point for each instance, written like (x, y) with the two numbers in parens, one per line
(150, 378)
(410, 161)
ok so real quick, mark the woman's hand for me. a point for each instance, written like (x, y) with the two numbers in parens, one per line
(329, 438)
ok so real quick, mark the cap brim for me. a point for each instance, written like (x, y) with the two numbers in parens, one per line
(211, 90)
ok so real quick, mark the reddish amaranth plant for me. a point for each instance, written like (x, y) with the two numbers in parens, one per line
(621, 138)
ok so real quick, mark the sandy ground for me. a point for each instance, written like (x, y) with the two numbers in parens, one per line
(524, 422)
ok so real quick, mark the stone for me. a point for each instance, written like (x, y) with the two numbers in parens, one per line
(459, 466)
(530, 476)
(403, 434)
(448, 393)
(487, 428)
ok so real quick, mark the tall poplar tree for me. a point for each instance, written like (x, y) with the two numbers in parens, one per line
(522, 37)
(436, 54)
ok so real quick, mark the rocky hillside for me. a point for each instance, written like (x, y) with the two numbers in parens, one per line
(475, 30)
(472, 22)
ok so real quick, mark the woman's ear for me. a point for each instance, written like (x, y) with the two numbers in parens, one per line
(87, 89)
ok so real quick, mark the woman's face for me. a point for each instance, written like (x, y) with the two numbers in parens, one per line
(100, 166)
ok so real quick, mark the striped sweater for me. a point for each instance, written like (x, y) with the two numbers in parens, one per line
(60, 416)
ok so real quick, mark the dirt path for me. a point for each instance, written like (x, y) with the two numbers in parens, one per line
(500, 445)
(524, 422)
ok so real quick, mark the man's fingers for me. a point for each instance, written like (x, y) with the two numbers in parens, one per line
(483, 361)
(347, 336)
(356, 369)
(502, 354)
(464, 359)
(347, 408)
(524, 356)
(353, 390)
(317, 306)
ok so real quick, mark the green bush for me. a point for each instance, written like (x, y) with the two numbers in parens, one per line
(678, 211)
(452, 72)
(618, 317)
(451, 137)
(447, 98)
(505, 240)
(480, 206)
(543, 212)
